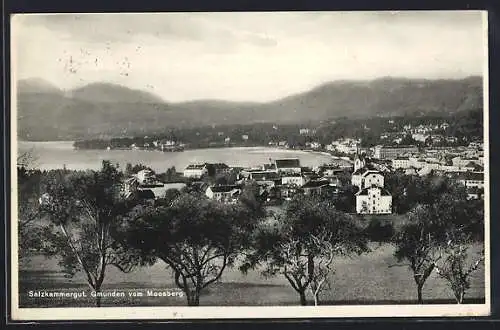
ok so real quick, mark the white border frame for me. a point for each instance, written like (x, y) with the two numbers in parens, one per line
(274, 312)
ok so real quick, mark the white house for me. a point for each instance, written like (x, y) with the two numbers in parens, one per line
(373, 200)
(364, 178)
(224, 193)
(293, 179)
(416, 162)
(420, 137)
(195, 171)
(401, 162)
(146, 176)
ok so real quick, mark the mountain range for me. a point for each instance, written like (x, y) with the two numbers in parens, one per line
(103, 110)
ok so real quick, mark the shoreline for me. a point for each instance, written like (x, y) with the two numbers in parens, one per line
(263, 147)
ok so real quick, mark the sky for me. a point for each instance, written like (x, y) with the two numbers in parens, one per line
(259, 56)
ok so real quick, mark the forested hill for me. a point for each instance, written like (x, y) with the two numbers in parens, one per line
(103, 110)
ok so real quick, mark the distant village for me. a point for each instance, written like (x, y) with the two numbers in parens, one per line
(280, 179)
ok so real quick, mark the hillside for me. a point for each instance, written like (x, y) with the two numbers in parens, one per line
(102, 110)
(103, 92)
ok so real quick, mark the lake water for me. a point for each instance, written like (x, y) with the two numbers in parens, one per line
(52, 155)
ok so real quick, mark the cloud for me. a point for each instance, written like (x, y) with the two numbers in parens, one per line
(245, 56)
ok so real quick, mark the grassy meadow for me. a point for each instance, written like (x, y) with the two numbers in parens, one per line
(371, 278)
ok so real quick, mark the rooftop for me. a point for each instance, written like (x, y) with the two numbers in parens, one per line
(220, 165)
(371, 172)
(265, 175)
(316, 184)
(287, 163)
(195, 166)
(224, 188)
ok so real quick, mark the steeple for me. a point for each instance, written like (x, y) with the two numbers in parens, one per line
(359, 162)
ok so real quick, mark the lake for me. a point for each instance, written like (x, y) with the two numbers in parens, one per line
(57, 154)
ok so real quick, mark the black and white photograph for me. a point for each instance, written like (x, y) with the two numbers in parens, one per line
(241, 165)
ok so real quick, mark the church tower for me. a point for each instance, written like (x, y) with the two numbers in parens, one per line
(359, 162)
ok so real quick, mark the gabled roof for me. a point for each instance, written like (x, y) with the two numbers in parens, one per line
(368, 172)
(287, 163)
(224, 188)
(316, 184)
(195, 167)
(265, 176)
(174, 185)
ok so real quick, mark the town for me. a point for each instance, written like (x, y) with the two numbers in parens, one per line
(352, 164)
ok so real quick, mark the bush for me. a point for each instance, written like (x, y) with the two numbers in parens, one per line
(378, 231)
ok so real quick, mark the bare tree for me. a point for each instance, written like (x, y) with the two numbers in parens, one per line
(302, 244)
(417, 243)
(27, 159)
(83, 209)
(456, 267)
(324, 264)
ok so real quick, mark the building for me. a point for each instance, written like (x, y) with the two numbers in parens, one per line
(288, 165)
(463, 162)
(265, 178)
(160, 190)
(315, 145)
(417, 162)
(195, 171)
(333, 180)
(401, 162)
(359, 162)
(293, 179)
(315, 187)
(146, 176)
(329, 170)
(224, 193)
(475, 193)
(364, 178)
(373, 200)
(392, 152)
(420, 137)
(472, 179)
(217, 168)
(347, 146)
(371, 197)
(129, 187)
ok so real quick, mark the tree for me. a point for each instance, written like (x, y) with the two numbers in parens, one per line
(170, 175)
(27, 159)
(197, 238)
(418, 243)
(302, 244)
(84, 208)
(133, 169)
(408, 140)
(28, 212)
(456, 269)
